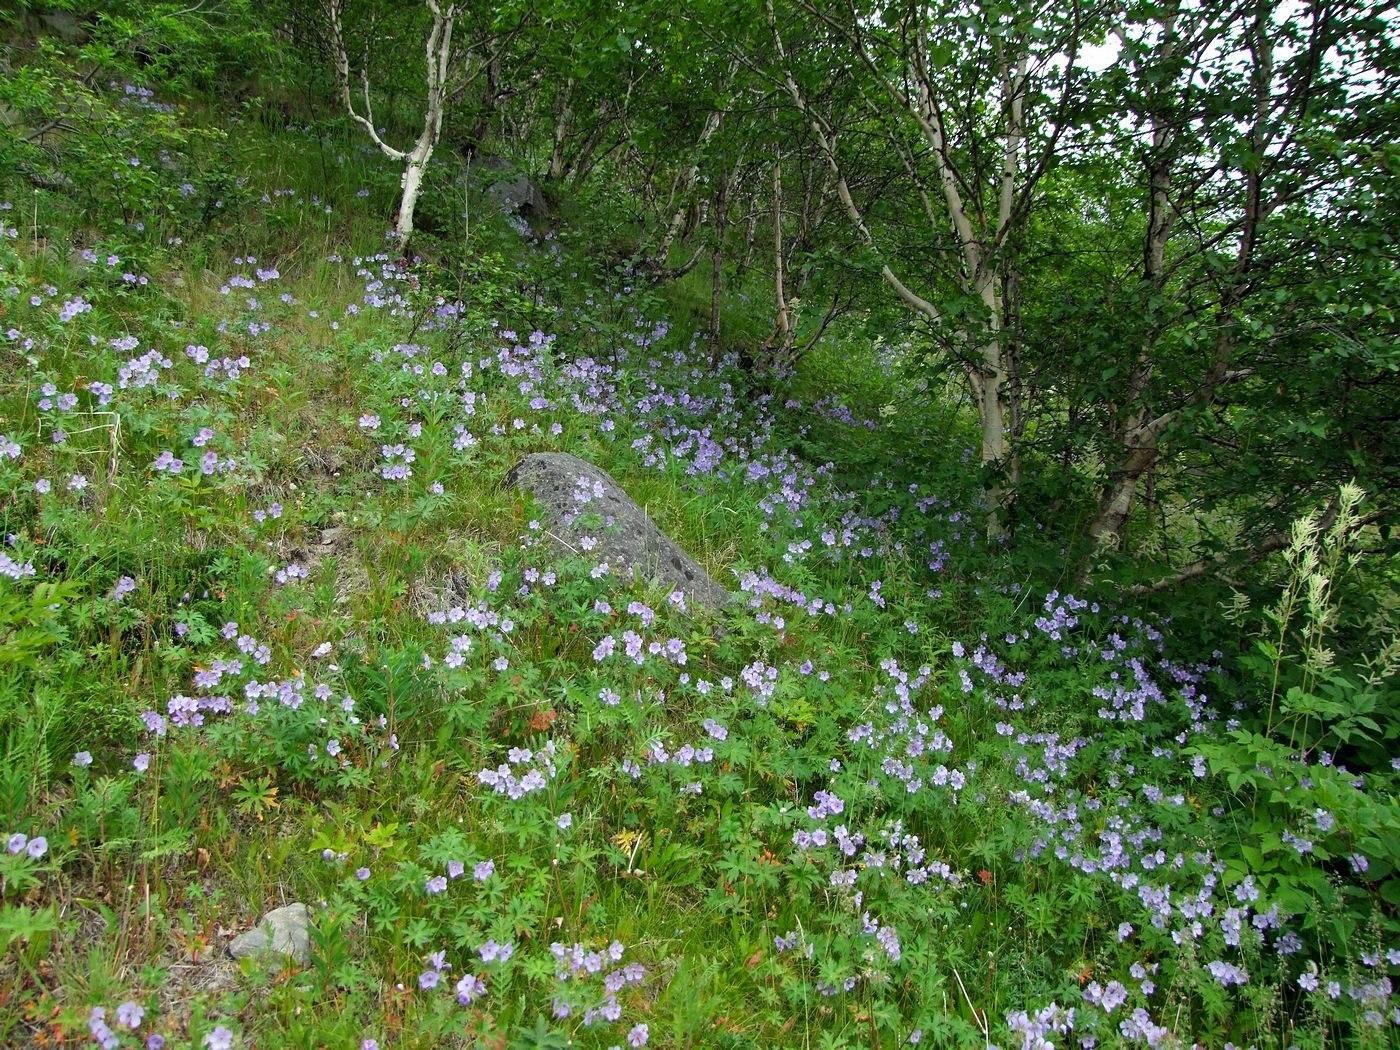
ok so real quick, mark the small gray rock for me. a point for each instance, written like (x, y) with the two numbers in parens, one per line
(628, 539)
(285, 931)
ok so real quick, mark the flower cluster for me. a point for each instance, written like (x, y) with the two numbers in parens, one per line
(576, 965)
(523, 772)
(396, 462)
(17, 842)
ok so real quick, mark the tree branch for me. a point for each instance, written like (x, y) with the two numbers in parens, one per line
(1262, 549)
(826, 138)
(342, 77)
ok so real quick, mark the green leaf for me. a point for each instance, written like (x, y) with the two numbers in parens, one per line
(21, 923)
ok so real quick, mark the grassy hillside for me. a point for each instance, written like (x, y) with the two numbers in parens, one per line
(274, 631)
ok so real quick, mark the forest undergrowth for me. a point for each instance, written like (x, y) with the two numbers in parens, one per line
(274, 631)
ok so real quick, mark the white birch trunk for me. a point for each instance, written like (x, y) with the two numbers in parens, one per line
(438, 51)
(412, 185)
(782, 337)
(682, 191)
(563, 112)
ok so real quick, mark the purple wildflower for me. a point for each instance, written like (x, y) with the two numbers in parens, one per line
(130, 1014)
(469, 989)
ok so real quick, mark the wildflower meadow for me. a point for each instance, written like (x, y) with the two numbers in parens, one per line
(273, 630)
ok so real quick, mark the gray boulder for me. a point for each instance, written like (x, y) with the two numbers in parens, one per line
(511, 190)
(282, 931)
(574, 494)
(520, 194)
(64, 25)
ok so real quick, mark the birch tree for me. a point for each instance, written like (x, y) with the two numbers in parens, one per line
(1241, 117)
(799, 227)
(439, 68)
(950, 93)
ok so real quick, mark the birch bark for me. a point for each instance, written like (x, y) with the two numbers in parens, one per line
(415, 159)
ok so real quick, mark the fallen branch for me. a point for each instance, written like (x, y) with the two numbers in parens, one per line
(1275, 542)
(46, 127)
(53, 182)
